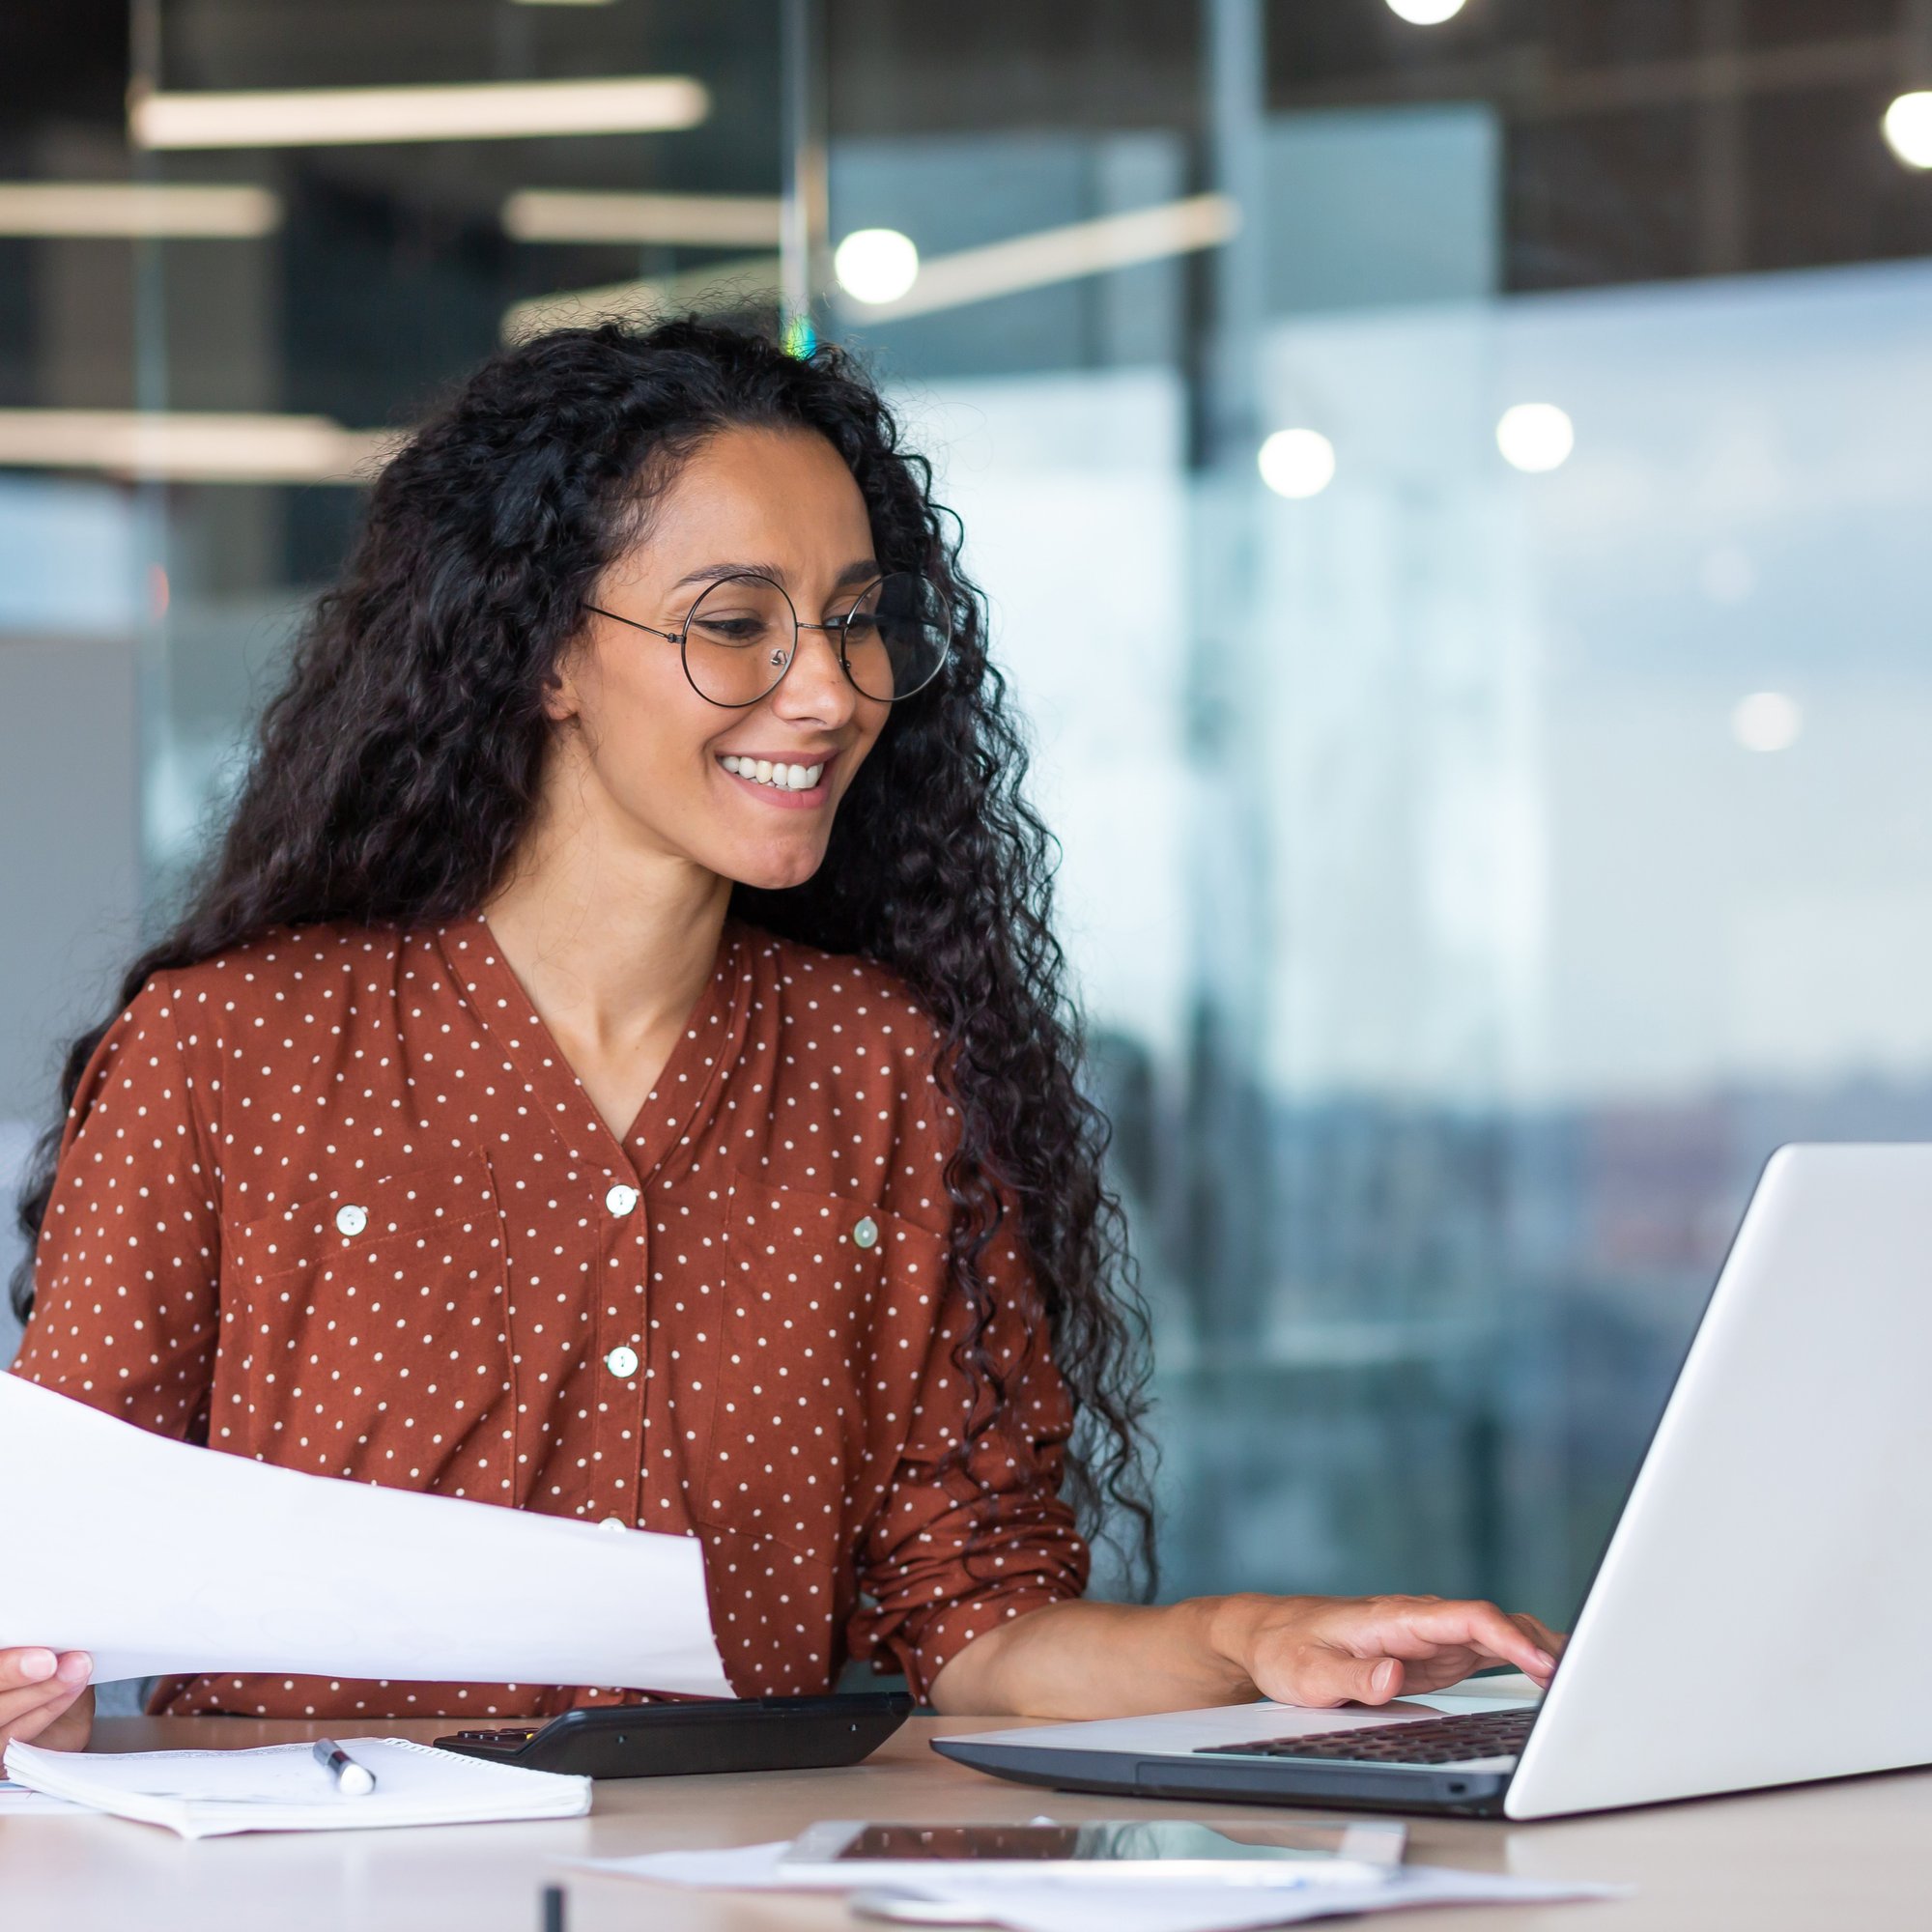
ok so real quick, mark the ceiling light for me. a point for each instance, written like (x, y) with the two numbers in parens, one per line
(316, 117)
(876, 265)
(1054, 255)
(695, 220)
(1296, 463)
(192, 445)
(1767, 721)
(1036, 261)
(1908, 129)
(1536, 437)
(1425, 13)
(119, 209)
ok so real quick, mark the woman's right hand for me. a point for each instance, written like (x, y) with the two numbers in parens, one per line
(46, 1699)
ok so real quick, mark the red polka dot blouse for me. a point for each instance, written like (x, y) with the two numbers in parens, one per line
(336, 1200)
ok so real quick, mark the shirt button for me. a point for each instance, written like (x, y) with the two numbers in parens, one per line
(613, 1522)
(622, 1360)
(351, 1220)
(621, 1199)
(866, 1234)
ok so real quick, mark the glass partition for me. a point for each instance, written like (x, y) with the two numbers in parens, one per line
(1467, 617)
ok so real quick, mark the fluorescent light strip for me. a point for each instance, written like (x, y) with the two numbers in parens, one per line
(1060, 255)
(754, 279)
(193, 447)
(173, 209)
(694, 220)
(318, 117)
(946, 281)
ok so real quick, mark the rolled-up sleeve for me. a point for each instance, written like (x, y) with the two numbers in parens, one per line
(960, 1546)
(128, 1263)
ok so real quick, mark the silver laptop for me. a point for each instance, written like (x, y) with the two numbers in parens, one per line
(1759, 1615)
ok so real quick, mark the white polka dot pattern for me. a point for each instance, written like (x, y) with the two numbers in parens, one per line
(336, 1200)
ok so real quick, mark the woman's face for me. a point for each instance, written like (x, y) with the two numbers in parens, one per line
(778, 504)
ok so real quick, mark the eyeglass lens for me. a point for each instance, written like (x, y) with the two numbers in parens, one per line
(897, 637)
(741, 634)
(739, 638)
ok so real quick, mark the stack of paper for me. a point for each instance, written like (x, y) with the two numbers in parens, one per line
(204, 1794)
(244, 1567)
(969, 1897)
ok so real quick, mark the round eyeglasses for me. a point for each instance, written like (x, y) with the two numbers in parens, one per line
(739, 638)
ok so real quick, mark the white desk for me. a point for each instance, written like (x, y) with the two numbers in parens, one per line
(1856, 1856)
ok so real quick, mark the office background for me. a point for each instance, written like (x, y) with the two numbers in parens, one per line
(1452, 493)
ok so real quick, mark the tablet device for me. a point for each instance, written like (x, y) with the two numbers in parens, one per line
(702, 1735)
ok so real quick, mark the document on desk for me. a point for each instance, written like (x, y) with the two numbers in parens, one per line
(961, 1894)
(158, 1557)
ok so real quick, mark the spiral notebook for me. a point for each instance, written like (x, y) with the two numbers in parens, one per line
(205, 1794)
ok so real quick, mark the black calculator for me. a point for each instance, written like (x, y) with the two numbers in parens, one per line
(705, 1734)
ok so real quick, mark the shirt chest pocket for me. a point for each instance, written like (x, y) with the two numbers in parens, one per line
(824, 1317)
(364, 1331)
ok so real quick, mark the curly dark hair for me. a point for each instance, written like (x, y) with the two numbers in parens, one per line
(394, 774)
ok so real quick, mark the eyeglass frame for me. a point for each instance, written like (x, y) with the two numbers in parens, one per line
(681, 637)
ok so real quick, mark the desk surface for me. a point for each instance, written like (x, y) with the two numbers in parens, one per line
(1849, 1853)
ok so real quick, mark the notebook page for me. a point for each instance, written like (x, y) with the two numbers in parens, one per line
(282, 1787)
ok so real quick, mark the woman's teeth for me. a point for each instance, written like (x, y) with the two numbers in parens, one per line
(783, 777)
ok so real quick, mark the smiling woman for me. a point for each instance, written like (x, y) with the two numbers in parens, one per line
(616, 1064)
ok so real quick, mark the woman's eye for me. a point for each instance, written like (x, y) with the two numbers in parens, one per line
(861, 627)
(732, 630)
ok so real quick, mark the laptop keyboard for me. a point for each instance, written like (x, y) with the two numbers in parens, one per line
(1426, 1741)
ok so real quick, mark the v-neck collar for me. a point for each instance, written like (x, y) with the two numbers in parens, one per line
(688, 1090)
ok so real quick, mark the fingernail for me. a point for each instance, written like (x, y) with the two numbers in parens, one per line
(36, 1664)
(77, 1666)
(1382, 1676)
(1546, 1661)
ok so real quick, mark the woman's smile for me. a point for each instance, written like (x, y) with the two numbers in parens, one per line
(795, 781)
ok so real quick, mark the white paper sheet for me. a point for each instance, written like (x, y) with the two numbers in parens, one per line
(1070, 1906)
(158, 1557)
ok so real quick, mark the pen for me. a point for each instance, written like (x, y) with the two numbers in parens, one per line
(351, 1780)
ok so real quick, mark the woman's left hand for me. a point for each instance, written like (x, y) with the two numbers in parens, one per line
(1321, 1651)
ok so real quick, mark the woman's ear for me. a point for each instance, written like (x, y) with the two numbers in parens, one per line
(559, 701)
(562, 699)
